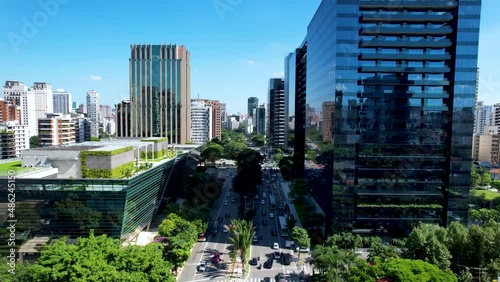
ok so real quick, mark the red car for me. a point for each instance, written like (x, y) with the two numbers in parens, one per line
(216, 257)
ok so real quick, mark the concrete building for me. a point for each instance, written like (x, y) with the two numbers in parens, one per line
(44, 99)
(277, 136)
(93, 112)
(161, 105)
(9, 111)
(485, 148)
(123, 127)
(21, 95)
(234, 123)
(253, 105)
(248, 126)
(328, 112)
(62, 101)
(393, 72)
(201, 122)
(483, 117)
(81, 109)
(82, 129)
(56, 129)
(223, 116)
(14, 139)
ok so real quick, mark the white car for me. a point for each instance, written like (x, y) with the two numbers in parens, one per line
(202, 267)
(263, 202)
(226, 203)
(271, 215)
(224, 230)
(256, 196)
(302, 250)
(276, 246)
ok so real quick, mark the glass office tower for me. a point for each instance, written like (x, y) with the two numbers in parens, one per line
(160, 92)
(397, 81)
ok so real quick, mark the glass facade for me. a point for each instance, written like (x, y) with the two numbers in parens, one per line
(120, 208)
(389, 111)
(160, 92)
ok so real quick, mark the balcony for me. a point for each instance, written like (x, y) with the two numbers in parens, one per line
(403, 69)
(400, 43)
(407, 4)
(405, 17)
(405, 31)
(405, 56)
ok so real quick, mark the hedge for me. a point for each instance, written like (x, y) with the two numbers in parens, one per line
(106, 153)
(155, 140)
(117, 172)
(160, 154)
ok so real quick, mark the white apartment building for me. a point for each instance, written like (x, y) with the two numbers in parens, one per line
(201, 121)
(56, 129)
(248, 126)
(93, 112)
(62, 101)
(44, 99)
(18, 139)
(20, 95)
(483, 117)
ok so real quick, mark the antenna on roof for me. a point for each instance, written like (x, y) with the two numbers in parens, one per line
(198, 96)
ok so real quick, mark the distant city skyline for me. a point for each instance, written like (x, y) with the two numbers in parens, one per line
(243, 45)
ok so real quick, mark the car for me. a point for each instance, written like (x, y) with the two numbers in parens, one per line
(302, 250)
(228, 194)
(225, 230)
(226, 203)
(202, 267)
(264, 195)
(277, 255)
(274, 232)
(287, 259)
(256, 196)
(264, 222)
(227, 215)
(255, 239)
(233, 200)
(280, 277)
(269, 264)
(253, 261)
(266, 279)
(256, 227)
(271, 215)
(219, 218)
(263, 212)
(263, 202)
(216, 257)
(202, 237)
(276, 246)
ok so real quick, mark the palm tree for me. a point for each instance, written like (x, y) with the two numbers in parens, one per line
(242, 233)
(329, 260)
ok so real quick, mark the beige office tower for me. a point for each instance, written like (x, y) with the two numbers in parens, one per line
(160, 93)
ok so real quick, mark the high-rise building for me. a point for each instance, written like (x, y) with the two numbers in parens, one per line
(253, 105)
(201, 122)
(295, 90)
(44, 99)
(93, 112)
(223, 115)
(105, 112)
(14, 138)
(260, 122)
(20, 95)
(483, 117)
(328, 111)
(123, 119)
(160, 93)
(485, 148)
(62, 101)
(403, 80)
(277, 122)
(82, 129)
(8, 111)
(56, 129)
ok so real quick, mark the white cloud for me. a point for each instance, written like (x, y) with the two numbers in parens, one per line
(278, 74)
(250, 62)
(95, 77)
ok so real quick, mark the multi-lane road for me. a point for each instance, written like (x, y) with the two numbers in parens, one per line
(204, 251)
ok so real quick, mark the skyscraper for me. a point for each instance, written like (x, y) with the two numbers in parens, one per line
(277, 120)
(93, 112)
(253, 105)
(403, 80)
(260, 122)
(62, 101)
(160, 94)
(44, 99)
(201, 121)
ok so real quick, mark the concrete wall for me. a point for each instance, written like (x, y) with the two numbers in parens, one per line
(67, 161)
(109, 162)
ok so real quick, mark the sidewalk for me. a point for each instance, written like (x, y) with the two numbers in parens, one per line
(293, 211)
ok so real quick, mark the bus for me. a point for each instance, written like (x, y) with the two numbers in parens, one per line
(272, 202)
(282, 226)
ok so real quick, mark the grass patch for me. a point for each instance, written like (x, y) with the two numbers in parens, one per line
(15, 166)
(488, 195)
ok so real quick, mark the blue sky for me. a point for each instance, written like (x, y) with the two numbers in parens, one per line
(235, 45)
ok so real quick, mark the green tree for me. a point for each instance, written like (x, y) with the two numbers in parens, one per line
(299, 189)
(174, 225)
(485, 178)
(329, 260)
(178, 250)
(311, 155)
(100, 259)
(258, 139)
(427, 242)
(242, 233)
(249, 171)
(301, 238)
(232, 149)
(212, 153)
(34, 142)
(475, 177)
